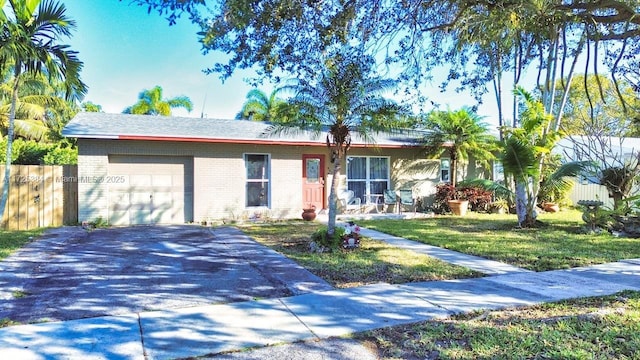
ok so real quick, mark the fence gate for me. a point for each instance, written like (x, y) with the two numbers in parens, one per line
(40, 195)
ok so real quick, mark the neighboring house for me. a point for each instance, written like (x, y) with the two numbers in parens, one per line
(607, 152)
(137, 169)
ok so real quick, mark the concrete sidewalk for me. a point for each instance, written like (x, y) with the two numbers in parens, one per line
(212, 329)
(485, 266)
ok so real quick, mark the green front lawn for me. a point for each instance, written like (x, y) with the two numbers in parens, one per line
(559, 244)
(373, 262)
(590, 328)
(10, 241)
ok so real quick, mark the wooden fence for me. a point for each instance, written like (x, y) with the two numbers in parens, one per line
(40, 195)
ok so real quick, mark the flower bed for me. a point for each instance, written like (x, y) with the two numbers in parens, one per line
(351, 237)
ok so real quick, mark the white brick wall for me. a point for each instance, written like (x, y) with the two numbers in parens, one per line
(219, 175)
(92, 194)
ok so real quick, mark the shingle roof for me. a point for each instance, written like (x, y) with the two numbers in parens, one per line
(90, 125)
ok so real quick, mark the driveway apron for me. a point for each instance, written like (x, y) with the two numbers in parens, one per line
(70, 273)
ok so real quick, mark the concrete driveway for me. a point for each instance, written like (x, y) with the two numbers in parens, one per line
(71, 273)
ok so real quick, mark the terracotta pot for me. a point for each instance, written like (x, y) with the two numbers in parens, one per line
(459, 207)
(550, 207)
(309, 214)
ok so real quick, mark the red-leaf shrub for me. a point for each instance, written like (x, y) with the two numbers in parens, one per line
(478, 198)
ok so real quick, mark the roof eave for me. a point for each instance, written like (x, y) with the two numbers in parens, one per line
(228, 141)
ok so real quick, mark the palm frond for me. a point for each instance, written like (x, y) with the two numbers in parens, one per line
(560, 181)
(31, 129)
(180, 102)
(518, 159)
(279, 130)
(572, 169)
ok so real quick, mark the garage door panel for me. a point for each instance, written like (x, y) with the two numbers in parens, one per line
(163, 216)
(163, 200)
(140, 198)
(119, 200)
(140, 180)
(163, 180)
(119, 217)
(152, 189)
(140, 216)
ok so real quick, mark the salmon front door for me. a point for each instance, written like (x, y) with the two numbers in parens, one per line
(313, 181)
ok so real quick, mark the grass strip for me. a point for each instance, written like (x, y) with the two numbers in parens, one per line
(587, 328)
(560, 243)
(373, 262)
(10, 241)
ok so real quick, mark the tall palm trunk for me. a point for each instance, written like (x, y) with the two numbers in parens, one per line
(10, 134)
(521, 203)
(453, 165)
(333, 197)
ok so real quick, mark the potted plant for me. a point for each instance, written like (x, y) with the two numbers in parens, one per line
(499, 206)
(457, 205)
(309, 212)
(550, 206)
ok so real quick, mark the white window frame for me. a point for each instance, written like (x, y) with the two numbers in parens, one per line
(498, 171)
(447, 169)
(267, 181)
(368, 178)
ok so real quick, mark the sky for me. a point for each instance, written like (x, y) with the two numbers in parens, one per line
(126, 50)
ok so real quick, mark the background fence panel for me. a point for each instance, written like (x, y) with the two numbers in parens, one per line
(41, 195)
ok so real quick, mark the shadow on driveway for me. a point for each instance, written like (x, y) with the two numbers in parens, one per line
(70, 273)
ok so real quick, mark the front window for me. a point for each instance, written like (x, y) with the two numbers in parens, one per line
(498, 171)
(445, 170)
(258, 175)
(367, 175)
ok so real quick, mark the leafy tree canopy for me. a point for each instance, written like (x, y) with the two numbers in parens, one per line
(151, 102)
(342, 100)
(260, 106)
(477, 38)
(30, 32)
(459, 134)
(594, 107)
(88, 106)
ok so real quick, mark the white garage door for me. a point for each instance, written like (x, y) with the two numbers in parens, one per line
(150, 189)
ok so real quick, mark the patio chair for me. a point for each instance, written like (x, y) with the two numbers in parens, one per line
(406, 199)
(390, 198)
(350, 203)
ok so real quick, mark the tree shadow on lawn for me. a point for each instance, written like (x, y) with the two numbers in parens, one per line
(373, 262)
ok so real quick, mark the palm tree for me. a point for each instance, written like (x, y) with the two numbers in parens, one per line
(28, 42)
(150, 102)
(260, 107)
(37, 108)
(343, 100)
(556, 182)
(524, 152)
(458, 134)
(88, 106)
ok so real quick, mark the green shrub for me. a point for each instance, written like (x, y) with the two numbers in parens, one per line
(61, 156)
(31, 152)
(322, 238)
(98, 223)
